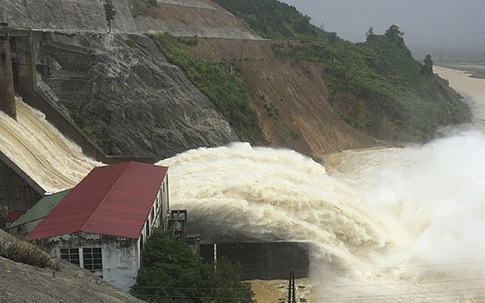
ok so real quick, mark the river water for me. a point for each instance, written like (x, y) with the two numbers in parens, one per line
(387, 225)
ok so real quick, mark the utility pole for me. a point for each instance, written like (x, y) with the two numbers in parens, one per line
(291, 288)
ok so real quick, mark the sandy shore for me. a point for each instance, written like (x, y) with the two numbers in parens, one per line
(472, 89)
(462, 82)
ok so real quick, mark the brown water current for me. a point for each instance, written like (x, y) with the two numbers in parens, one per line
(387, 225)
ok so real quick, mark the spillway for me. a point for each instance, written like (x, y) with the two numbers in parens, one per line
(41, 151)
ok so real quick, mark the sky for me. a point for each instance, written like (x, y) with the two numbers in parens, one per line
(428, 25)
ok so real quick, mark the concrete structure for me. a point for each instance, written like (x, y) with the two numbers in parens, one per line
(7, 91)
(18, 53)
(103, 223)
(17, 190)
(263, 260)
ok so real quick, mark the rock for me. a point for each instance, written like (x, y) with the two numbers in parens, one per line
(122, 87)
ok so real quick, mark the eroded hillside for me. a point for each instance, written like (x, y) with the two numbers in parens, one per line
(291, 98)
(314, 98)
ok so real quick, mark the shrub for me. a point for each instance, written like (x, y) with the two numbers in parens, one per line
(172, 272)
(26, 253)
(214, 79)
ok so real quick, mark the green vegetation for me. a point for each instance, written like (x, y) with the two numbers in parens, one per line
(385, 85)
(272, 110)
(382, 75)
(172, 273)
(95, 136)
(295, 134)
(88, 126)
(216, 81)
(273, 19)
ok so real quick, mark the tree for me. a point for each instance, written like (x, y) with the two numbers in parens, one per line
(109, 11)
(370, 33)
(172, 273)
(223, 283)
(395, 35)
(428, 65)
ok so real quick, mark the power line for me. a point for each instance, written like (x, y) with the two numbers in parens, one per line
(407, 284)
(401, 266)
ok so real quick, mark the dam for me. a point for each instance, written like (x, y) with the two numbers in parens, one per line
(396, 224)
(23, 100)
(43, 151)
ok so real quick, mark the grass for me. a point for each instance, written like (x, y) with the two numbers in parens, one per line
(216, 81)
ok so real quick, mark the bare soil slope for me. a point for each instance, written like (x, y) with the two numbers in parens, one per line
(289, 97)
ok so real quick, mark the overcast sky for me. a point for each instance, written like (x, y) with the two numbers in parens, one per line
(426, 24)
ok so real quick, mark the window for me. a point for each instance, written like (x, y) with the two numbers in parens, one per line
(92, 259)
(70, 255)
(87, 258)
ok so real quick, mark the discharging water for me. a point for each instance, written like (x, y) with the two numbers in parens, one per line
(387, 225)
(41, 151)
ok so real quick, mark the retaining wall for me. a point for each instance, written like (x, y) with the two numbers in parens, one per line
(265, 261)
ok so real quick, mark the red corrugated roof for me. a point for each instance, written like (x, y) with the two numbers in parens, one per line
(14, 215)
(111, 200)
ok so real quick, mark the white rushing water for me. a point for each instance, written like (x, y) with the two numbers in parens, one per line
(387, 225)
(394, 225)
(41, 151)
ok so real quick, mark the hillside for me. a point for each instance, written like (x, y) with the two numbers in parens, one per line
(316, 94)
(179, 17)
(377, 86)
(290, 98)
(62, 282)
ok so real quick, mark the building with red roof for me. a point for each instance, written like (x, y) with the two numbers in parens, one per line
(103, 223)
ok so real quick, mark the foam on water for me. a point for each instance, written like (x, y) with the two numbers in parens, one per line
(268, 194)
(41, 151)
(387, 223)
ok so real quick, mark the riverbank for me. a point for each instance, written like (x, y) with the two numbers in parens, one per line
(472, 89)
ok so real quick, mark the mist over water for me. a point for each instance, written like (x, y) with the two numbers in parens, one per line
(387, 225)
(432, 199)
(260, 193)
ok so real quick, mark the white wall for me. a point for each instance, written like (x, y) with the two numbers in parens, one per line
(120, 255)
(120, 263)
